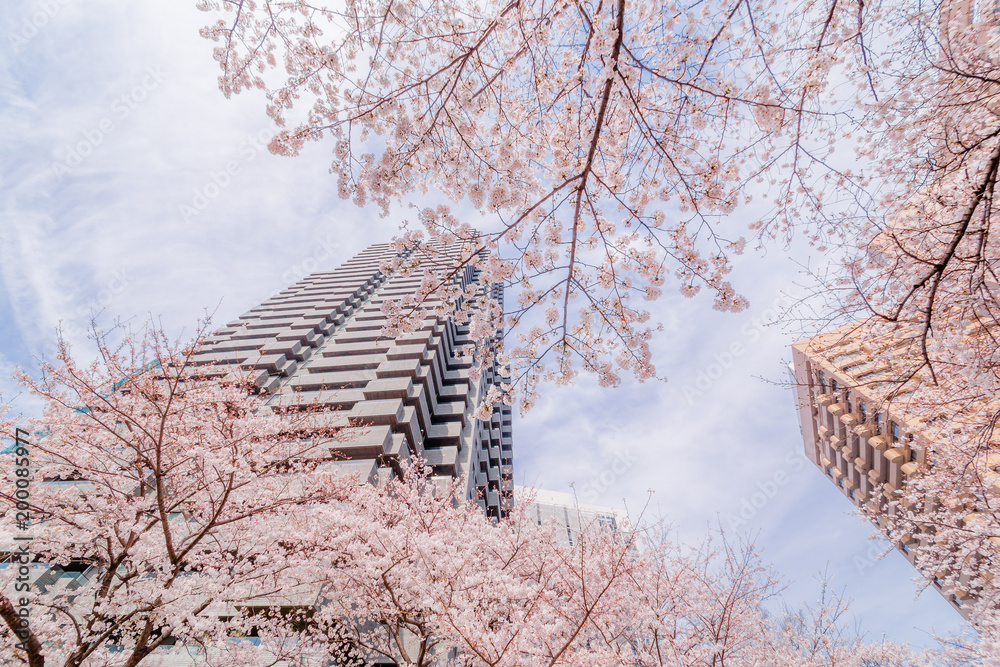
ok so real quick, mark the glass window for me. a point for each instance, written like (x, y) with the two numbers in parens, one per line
(822, 379)
(878, 423)
(863, 411)
(894, 430)
(834, 386)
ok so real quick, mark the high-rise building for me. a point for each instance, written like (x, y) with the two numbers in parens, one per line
(570, 516)
(865, 444)
(319, 343)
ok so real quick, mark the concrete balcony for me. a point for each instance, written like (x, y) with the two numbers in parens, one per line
(387, 412)
(362, 443)
(398, 352)
(447, 434)
(401, 368)
(443, 459)
(349, 349)
(340, 399)
(895, 456)
(453, 411)
(388, 388)
(333, 380)
(879, 442)
(358, 362)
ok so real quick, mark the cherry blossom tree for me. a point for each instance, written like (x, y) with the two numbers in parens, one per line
(157, 509)
(600, 148)
(921, 281)
(171, 512)
(607, 145)
(513, 593)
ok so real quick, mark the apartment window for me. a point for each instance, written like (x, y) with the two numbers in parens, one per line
(863, 411)
(894, 430)
(822, 380)
(851, 493)
(913, 455)
(938, 582)
(904, 547)
(834, 386)
(878, 423)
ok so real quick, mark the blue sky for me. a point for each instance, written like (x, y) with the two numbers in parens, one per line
(112, 131)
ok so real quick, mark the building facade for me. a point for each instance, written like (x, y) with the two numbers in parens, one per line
(866, 445)
(319, 344)
(569, 515)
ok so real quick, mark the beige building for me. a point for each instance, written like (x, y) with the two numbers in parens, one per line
(866, 445)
